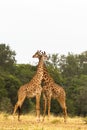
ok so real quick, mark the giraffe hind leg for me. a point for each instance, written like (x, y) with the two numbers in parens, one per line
(18, 107)
(15, 108)
(65, 114)
(64, 108)
(19, 112)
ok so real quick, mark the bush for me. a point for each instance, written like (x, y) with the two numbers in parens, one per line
(6, 105)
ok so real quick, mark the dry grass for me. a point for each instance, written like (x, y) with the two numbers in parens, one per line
(28, 122)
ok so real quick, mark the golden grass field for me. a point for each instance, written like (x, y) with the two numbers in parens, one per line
(28, 122)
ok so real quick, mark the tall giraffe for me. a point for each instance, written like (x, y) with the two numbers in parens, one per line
(52, 90)
(33, 88)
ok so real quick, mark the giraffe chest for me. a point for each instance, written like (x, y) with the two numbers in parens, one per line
(33, 91)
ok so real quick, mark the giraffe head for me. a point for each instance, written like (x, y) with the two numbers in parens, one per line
(40, 54)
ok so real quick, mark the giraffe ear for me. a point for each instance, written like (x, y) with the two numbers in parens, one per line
(41, 52)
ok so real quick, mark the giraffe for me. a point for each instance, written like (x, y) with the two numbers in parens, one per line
(32, 89)
(52, 90)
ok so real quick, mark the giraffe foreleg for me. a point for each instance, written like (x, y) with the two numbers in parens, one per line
(45, 104)
(38, 107)
(49, 106)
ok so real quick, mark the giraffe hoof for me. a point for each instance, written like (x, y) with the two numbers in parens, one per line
(13, 117)
(37, 120)
(19, 120)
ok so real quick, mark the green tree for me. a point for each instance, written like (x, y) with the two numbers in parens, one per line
(54, 60)
(24, 72)
(76, 95)
(12, 85)
(3, 91)
(83, 62)
(5, 105)
(69, 65)
(53, 68)
(7, 57)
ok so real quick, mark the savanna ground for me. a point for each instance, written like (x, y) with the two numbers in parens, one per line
(28, 122)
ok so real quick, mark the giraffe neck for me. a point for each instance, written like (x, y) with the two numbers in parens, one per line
(40, 67)
(39, 73)
(46, 76)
